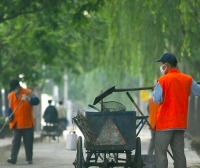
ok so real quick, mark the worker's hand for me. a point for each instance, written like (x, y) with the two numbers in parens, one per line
(26, 98)
(8, 119)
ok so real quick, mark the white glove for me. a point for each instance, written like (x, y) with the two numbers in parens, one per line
(7, 120)
(26, 98)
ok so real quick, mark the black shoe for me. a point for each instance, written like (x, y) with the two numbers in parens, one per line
(29, 161)
(11, 161)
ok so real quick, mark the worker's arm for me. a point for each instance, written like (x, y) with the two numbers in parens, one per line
(195, 88)
(158, 94)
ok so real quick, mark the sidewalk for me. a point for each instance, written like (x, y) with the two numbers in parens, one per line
(5, 143)
(193, 160)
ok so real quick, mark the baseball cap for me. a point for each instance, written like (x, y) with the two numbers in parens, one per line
(168, 58)
(13, 84)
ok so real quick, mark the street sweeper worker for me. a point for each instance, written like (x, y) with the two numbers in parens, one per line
(172, 93)
(21, 121)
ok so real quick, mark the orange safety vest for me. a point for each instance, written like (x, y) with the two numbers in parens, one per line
(23, 115)
(173, 112)
(153, 108)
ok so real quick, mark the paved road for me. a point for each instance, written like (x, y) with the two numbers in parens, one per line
(53, 154)
(46, 155)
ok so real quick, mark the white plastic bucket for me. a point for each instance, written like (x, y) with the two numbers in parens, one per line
(71, 140)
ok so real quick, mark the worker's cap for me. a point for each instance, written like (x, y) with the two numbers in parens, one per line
(168, 58)
(13, 84)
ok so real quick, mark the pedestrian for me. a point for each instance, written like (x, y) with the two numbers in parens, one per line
(172, 92)
(62, 113)
(21, 120)
(50, 114)
(51, 118)
(152, 109)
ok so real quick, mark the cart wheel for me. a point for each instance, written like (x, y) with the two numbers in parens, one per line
(138, 157)
(79, 161)
(105, 163)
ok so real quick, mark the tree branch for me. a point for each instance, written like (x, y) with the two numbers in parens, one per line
(22, 30)
(18, 14)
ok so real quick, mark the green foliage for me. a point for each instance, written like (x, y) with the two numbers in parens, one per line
(114, 40)
(37, 33)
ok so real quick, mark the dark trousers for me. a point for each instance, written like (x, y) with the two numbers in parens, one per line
(28, 136)
(174, 138)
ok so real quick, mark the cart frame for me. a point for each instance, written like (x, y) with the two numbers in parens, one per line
(108, 155)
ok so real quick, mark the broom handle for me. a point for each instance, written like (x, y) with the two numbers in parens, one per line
(27, 92)
(16, 108)
(141, 113)
(13, 112)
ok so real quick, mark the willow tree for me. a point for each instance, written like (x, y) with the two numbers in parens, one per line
(125, 37)
(121, 37)
(138, 32)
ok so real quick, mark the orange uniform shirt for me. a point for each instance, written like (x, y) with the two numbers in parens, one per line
(23, 115)
(173, 112)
